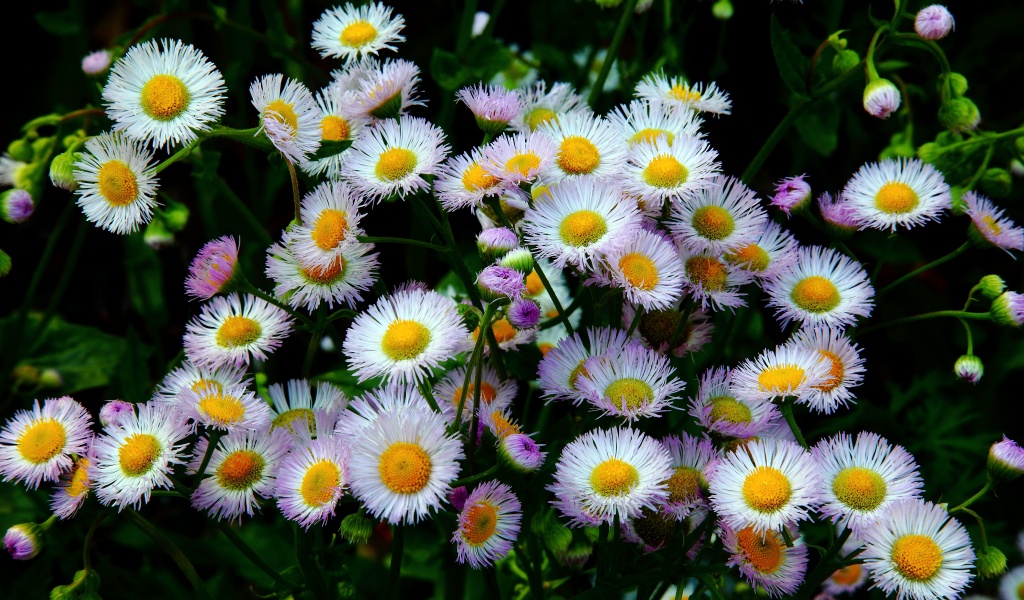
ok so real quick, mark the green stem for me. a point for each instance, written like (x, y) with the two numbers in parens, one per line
(296, 197)
(171, 550)
(553, 321)
(87, 564)
(786, 406)
(981, 526)
(984, 490)
(465, 26)
(881, 257)
(428, 395)
(214, 439)
(243, 210)
(306, 558)
(824, 568)
(246, 286)
(397, 240)
(177, 156)
(253, 557)
(959, 314)
(475, 478)
(474, 417)
(869, 60)
(970, 338)
(613, 51)
(476, 356)
(955, 253)
(636, 321)
(493, 19)
(62, 284)
(314, 341)
(397, 550)
(554, 297)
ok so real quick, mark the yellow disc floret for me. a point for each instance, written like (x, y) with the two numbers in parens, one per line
(329, 229)
(357, 34)
(815, 294)
(523, 164)
(896, 198)
(781, 378)
(282, 112)
(614, 477)
(665, 171)
(916, 557)
(859, 488)
(395, 164)
(538, 116)
(164, 97)
(404, 468)
(320, 483)
(751, 257)
(325, 275)
(578, 156)
(766, 490)
(475, 178)
(582, 228)
(240, 470)
(836, 371)
(629, 393)
(480, 523)
(405, 340)
(762, 550)
(649, 136)
(138, 453)
(639, 270)
(730, 410)
(713, 222)
(79, 479)
(848, 575)
(334, 128)
(685, 484)
(117, 183)
(659, 326)
(238, 331)
(42, 441)
(289, 417)
(223, 409)
(708, 272)
(683, 93)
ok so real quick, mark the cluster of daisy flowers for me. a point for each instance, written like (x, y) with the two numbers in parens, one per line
(635, 202)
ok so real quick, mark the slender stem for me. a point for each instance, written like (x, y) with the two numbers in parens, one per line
(296, 197)
(981, 526)
(83, 112)
(428, 395)
(602, 551)
(474, 423)
(786, 406)
(555, 320)
(314, 342)
(214, 439)
(970, 338)
(62, 283)
(787, 536)
(171, 550)
(478, 477)
(465, 26)
(243, 210)
(477, 356)
(984, 490)
(87, 564)
(397, 550)
(554, 297)
(881, 258)
(255, 291)
(397, 240)
(613, 51)
(177, 156)
(491, 583)
(306, 558)
(912, 39)
(636, 321)
(824, 568)
(495, 11)
(253, 557)
(869, 60)
(955, 253)
(959, 314)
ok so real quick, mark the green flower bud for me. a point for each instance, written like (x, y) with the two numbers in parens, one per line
(175, 215)
(519, 259)
(50, 378)
(356, 528)
(40, 147)
(722, 10)
(957, 84)
(20, 150)
(470, 315)
(1019, 144)
(959, 114)
(157, 235)
(945, 138)
(997, 182)
(991, 286)
(929, 152)
(62, 172)
(1008, 309)
(5, 263)
(991, 562)
(969, 368)
(1005, 460)
(844, 61)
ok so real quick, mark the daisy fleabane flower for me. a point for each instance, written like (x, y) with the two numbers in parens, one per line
(405, 335)
(1011, 586)
(658, 87)
(587, 146)
(495, 394)
(36, 444)
(719, 410)
(664, 331)
(164, 93)
(488, 525)
(231, 408)
(342, 281)
(918, 551)
(894, 193)
(609, 472)
(845, 367)
(73, 488)
(861, 477)
(288, 116)
(647, 269)
(773, 251)
(720, 217)
(692, 459)
(337, 124)
(850, 578)
(562, 367)
(293, 403)
(634, 382)
(391, 398)
(583, 219)
(193, 377)
(643, 121)
(311, 479)
(765, 484)
(393, 156)
(765, 559)
(138, 454)
(788, 370)
(330, 213)
(241, 467)
(462, 182)
(519, 158)
(823, 286)
(792, 194)
(713, 281)
(213, 269)
(116, 183)
(350, 32)
(233, 329)
(989, 226)
(403, 464)
(492, 105)
(542, 105)
(659, 171)
(381, 90)
(838, 215)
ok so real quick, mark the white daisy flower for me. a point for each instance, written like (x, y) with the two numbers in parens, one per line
(233, 408)
(607, 473)
(643, 121)
(330, 219)
(845, 367)
(404, 335)
(74, 485)
(543, 105)
(630, 383)
(350, 32)
(293, 404)
(402, 466)
(897, 192)
(288, 116)
(341, 282)
(850, 578)
(311, 480)
(658, 171)
(164, 93)
(713, 281)
(495, 394)
(241, 467)
(584, 219)
(1012, 584)
(138, 454)
(765, 559)
(861, 478)
(918, 551)
(788, 370)
(488, 525)
(722, 412)
(647, 269)
(336, 125)
(393, 157)
(676, 91)
(693, 458)
(462, 182)
(194, 377)
(382, 91)
(391, 398)
(989, 226)
(36, 445)
(823, 286)
(561, 368)
(664, 331)
(233, 329)
(515, 159)
(721, 217)
(765, 484)
(587, 145)
(116, 183)
(774, 250)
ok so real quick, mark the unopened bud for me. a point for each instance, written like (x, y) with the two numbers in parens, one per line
(959, 114)
(881, 98)
(722, 10)
(1005, 460)
(24, 541)
(991, 562)
(16, 206)
(991, 286)
(356, 527)
(969, 368)
(50, 378)
(62, 173)
(20, 150)
(519, 259)
(496, 242)
(933, 22)
(5, 263)
(996, 182)
(957, 84)
(1008, 309)
(845, 60)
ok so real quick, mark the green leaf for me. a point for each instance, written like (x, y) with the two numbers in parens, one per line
(63, 23)
(793, 65)
(446, 70)
(819, 127)
(329, 148)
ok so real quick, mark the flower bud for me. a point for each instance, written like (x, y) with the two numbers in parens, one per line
(115, 411)
(881, 98)
(792, 194)
(845, 60)
(997, 182)
(933, 22)
(957, 83)
(62, 174)
(16, 206)
(497, 242)
(969, 368)
(97, 62)
(24, 541)
(157, 235)
(929, 152)
(519, 259)
(20, 150)
(213, 270)
(523, 314)
(959, 114)
(991, 562)
(356, 528)
(1005, 460)
(1008, 309)
(470, 314)
(5, 263)
(50, 378)
(578, 552)
(722, 10)
(496, 282)
(840, 219)
(991, 286)
(175, 215)
(457, 497)
(521, 453)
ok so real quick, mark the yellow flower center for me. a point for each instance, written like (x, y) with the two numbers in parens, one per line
(117, 183)
(335, 129)
(288, 417)
(503, 331)
(404, 468)
(751, 257)
(896, 198)
(582, 228)
(481, 521)
(577, 155)
(138, 453)
(358, 34)
(650, 135)
(684, 485)
(487, 393)
(730, 410)
(614, 477)
(475, 178)
(329, 229)
(658, 326)
(534, 285)
(79, 479)
(523, 163)
(665, 172)
(762, 551)
(917, 557)
(815, 294)
(859, 488)
(238, 331)
(713, 222)
(836, 371)
(683, 93)
(325, 275)
(502, 426)
(708, 272)
(639, 270)
(222, 409)
(538, 116)
(991, 225)
(766, 489)
(42, 441)
(200, 385)
(780, 379)
(282, 112)
(574, 376)
(164, 97)
(848, 575)
(320, 483)
(395, 164)
(629, 393)
(405, 340)
(240, 470)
